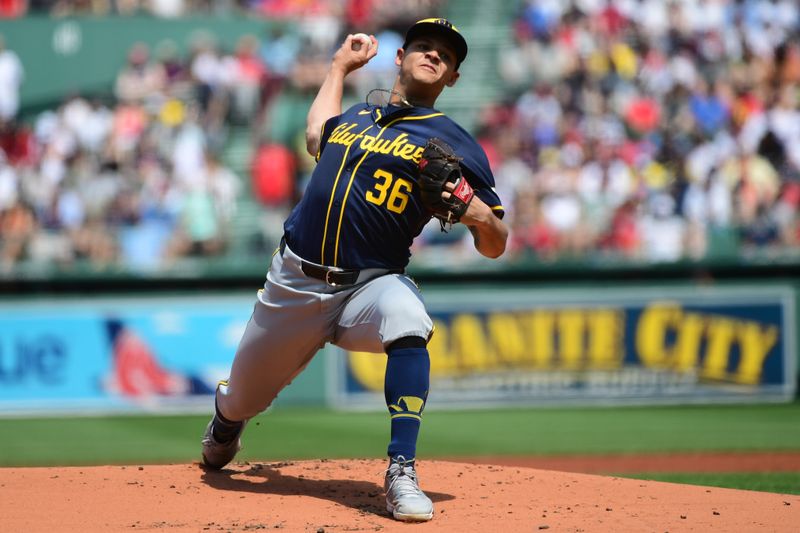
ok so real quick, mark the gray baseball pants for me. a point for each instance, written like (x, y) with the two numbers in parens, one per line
(295, 315)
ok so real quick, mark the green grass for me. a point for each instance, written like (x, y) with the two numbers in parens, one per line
(616, 430)
(293, 433)
(781, 482)
(286, 433)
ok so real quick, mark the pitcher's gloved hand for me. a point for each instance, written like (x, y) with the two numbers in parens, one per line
(438, 166)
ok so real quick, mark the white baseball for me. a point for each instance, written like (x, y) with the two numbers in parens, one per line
(359, 39)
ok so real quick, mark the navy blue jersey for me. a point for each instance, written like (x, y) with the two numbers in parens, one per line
(362, 208)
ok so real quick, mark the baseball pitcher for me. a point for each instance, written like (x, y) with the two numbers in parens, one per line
(383, 170)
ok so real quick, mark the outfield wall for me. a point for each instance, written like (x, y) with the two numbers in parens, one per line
(603, 345)
(493, 346)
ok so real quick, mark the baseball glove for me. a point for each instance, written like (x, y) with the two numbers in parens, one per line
(438, 166)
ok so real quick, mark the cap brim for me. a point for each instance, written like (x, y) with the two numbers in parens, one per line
(421, 29)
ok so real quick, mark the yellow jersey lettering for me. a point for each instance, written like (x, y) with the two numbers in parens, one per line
(407, 151)
(366, 142)
(398, 200)
(398, 144)
(379, 146)
(382, 187)
(342, 134)
(398, 147)
(335, 133)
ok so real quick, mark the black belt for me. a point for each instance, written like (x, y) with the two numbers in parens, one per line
(326, 274)
(331, 275)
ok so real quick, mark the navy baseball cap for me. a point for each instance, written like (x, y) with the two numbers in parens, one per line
(443, 28)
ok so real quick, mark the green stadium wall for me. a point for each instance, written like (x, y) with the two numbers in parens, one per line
(63, 56)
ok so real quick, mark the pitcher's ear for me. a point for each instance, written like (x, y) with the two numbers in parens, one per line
(453, 78)
(398, 58)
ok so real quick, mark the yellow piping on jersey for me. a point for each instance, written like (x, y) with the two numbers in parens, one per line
(352, 176)
(498, 208)
(319, 146)
(420, 117)
(330, 202)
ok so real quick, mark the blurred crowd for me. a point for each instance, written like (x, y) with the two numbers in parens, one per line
(350, 11)
(650, 130)
(630, 129)
(137, 179)
(133, 180)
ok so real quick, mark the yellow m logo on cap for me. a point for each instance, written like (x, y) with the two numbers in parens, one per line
(442, 22)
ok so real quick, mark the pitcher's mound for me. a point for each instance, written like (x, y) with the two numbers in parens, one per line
(340, 495)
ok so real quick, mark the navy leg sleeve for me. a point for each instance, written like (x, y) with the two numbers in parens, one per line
(406, 390)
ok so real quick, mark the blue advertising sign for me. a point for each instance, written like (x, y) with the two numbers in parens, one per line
(526, 346)
(121, 354)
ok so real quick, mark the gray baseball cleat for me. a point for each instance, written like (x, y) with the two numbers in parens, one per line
(404, 499)
(218, 454)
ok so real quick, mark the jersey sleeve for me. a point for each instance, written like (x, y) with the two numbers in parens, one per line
(327, 128)
(475, 167)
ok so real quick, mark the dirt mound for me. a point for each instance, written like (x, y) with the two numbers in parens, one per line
(343, 495)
